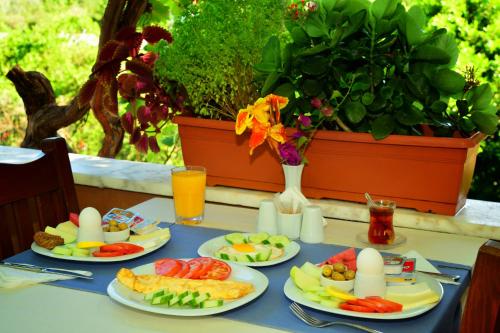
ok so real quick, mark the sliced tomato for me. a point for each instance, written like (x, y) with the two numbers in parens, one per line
(199, 267)
(112, 248)
(167, 266)
(219, 271)
(129, 248)
(184, 269)
(107, 254)
(73, 217)
(357, 308)
(392, 306)
(377, 307)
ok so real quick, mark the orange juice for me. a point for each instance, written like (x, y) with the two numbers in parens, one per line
(188, 186)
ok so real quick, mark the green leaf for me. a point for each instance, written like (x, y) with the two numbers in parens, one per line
(299, 36)
(462, 106)
(313, 50)
(271, 56)
(367, 98)
(301, 141)
(418, 15)
(384, 8)
(431, 54)
(447, 43)
(335, 94)
(410, 117)
(448, 81)
(314, 27)
(466, 125)
(414, 33)
(355, 22)
(315, 65)
(271, 80)
(311, 87)
(481, 96)
(355, 112)
(386, 92)
(328, 4)
(439, 107)
(486, 121)
(286, 90)
(383, 126)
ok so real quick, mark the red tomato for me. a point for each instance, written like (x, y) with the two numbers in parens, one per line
(184, 269)
(199, 267)
(107, 254)
(357, 308)
(167, 267)
(219, 271)
(377, 307)
(73, 217)
(390, 305)
(129, 248)
(111, 248)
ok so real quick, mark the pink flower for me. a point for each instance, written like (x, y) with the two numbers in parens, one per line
(316, 102)
(305, 120)
(327, 111)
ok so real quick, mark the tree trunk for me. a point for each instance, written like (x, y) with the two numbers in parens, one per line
(45, 117)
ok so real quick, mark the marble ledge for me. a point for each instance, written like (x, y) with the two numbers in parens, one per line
(477, 219)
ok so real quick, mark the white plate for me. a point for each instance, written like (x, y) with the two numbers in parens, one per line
(208, 249)
(128, 297)
(295, 294)
(48, 253)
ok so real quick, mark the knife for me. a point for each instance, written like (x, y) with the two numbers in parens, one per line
(442, 276)
(39, 269)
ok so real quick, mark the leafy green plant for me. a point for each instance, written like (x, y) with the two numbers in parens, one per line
(372, 67)
(216, 43)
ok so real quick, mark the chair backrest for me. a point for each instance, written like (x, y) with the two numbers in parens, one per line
(35, 195)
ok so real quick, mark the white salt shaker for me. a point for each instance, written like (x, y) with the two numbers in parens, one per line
(312, 225)
(267, 220)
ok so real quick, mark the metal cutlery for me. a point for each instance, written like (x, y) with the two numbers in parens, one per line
(442, 276)
(40, 269)
(315, 322)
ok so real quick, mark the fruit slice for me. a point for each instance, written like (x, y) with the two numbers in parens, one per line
(279, 241)
(68, 238)
(311, 269)
(89, 245)
(332, 291)
(61, 250)
(235, 238)
(74, 218)
(303, 280)
(68, 227)
(258, 238)
(76, 252)
(347, 257)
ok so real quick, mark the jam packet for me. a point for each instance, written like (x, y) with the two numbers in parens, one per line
(407, 275)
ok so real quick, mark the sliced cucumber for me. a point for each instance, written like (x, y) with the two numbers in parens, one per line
(243, 258)
(174, 300)
(258, 238)
(224, 256)
(235, 238)
(211, 303)
(264, 254)
(279, 241)
(198, 300)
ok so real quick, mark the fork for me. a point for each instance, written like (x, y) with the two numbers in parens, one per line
(315, 322)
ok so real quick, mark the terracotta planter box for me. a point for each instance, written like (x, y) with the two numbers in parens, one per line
(426, 173)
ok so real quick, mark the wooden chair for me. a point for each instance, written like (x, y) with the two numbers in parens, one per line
(35, 195)
(482, 309)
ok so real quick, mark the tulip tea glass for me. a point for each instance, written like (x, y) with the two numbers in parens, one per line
(188, 187)
(381, 230)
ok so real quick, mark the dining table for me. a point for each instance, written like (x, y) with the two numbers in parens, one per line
(79, 305)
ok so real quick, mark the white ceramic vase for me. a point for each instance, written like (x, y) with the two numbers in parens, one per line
(293, 176)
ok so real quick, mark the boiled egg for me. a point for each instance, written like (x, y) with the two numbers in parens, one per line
(370, 261)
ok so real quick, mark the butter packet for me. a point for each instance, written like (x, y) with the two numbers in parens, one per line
(407, 275)
(393, 264)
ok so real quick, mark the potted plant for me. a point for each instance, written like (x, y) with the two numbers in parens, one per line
(370, 70)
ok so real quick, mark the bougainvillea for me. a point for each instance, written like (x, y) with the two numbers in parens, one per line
(123, 68)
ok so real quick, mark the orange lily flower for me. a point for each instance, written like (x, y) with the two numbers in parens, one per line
(263, 118)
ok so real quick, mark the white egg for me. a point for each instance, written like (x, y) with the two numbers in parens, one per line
(370, 261)
(90, 226)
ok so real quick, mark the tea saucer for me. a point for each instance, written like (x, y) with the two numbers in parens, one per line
(398, 240)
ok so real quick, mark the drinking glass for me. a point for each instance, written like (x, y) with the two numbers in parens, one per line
(381, 229)
(188, 187)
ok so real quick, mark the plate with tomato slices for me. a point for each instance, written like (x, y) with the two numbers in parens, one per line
(295, 294)
(198, 269)
(111, 253)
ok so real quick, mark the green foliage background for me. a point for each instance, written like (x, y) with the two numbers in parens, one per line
(59, 38)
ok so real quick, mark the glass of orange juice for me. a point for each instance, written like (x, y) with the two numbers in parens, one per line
(188, 187)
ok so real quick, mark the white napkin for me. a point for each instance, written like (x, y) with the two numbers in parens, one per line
(17, 278)
(422, 264)
(291, 201)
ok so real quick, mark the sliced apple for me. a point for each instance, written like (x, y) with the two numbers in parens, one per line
(303, 280)
(61, 250)
(68, 237)
(68, 227)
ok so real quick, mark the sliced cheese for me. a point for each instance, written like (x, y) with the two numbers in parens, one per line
(411, 302)
(157, 234)
(408, 290)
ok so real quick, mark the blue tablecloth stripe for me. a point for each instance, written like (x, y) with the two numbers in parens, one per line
(271, 309)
